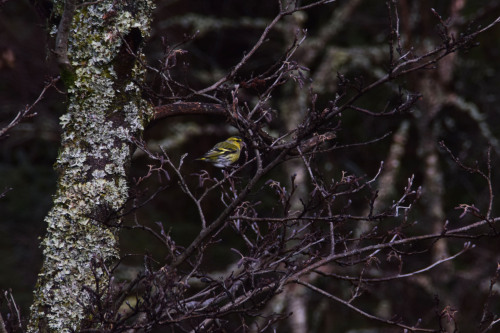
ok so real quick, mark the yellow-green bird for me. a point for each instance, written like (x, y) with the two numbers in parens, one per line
(224, 153)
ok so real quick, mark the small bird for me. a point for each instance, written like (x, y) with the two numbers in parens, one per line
(224, 153)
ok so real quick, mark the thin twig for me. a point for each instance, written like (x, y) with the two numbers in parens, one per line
(27, 110)
(358, 310)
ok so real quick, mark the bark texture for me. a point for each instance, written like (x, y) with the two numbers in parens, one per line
(105, 111)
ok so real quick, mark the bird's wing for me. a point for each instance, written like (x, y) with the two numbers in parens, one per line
(222, 148)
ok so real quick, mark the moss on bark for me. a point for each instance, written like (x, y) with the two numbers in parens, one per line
(105, 110)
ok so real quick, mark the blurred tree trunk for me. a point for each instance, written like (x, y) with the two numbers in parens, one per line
(435, 88)
(97, 45)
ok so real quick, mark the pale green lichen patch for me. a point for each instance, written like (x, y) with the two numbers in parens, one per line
(97, 130)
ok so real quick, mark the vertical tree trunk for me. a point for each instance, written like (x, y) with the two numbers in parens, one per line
(105, 111)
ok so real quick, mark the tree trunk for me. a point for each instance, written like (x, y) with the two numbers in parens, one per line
(98, 47)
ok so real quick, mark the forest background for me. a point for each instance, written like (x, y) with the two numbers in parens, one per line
(415, 155)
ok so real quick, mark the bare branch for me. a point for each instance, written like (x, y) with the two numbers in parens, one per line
(27, 112)
(358, 310)
(63, 31)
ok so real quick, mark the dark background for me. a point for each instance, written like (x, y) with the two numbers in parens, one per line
(226, 30)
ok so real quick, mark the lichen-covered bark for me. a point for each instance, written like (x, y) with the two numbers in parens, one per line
(105, 110)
